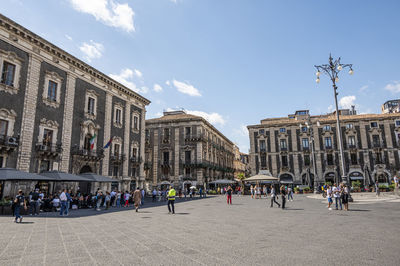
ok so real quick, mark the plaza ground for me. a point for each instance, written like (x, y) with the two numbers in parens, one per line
(209, 232)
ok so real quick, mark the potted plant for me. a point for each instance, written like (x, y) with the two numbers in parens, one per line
(5, 207)
(356, 186)
(306, 190)
(296, 190)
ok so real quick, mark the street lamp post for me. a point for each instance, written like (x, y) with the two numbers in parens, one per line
(332, 70)
(310, 127)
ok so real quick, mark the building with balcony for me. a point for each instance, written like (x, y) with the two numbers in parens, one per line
(185, 150)
(282, 147)
(57, 112)
(392, 106)
(240, 163)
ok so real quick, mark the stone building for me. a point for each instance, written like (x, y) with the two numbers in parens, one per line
(282, 147)
(52, 105)
(186, 150)
(392, 106)
(240, 163)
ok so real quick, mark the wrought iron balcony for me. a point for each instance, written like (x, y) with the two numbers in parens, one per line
(135, 160)
(8, 143)
(117, 157)
(48, 149)
(92, 155)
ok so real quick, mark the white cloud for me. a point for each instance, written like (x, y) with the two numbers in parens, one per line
(393, 87)
(186, 88)
(347, 101)
(363, 88)
(138, 73)
(330, 108)
(213, 118)
(126, 78)
(242, 131)
(68, 37)
(168, 83)
(107, 11)
(92, 50)
(157, 88)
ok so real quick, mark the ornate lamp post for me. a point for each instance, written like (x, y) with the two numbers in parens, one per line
(332, 69)
(309, 126)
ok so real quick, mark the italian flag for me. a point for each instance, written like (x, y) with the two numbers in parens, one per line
(92, 142)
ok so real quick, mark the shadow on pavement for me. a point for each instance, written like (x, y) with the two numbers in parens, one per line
(290, 209)
(358, 210)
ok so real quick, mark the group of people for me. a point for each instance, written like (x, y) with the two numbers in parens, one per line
(339, 193)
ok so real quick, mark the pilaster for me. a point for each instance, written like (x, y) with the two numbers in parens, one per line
(127, 144)
(142, 144)
(155, 156)
(28, 116)
(67, 122)
(176, 157)
(107, 133)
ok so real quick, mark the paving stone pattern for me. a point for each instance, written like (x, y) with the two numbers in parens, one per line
(209, 232)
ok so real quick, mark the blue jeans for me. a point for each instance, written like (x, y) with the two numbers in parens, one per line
(34, 207)
(16, 212)
(68, 205)
(336, 202)
(63, 208)
(118, 202)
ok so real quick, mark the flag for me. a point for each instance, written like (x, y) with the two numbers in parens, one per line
(92, 142)
(108, 143)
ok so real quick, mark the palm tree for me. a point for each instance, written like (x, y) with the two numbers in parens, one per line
(241, 177)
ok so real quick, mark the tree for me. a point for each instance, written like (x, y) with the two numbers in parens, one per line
(241, 177)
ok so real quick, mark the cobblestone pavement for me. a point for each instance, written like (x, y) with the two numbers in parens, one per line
(209, 232)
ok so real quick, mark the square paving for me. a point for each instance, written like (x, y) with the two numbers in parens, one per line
(209, 232)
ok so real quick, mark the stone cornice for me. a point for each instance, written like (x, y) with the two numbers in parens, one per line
(17, 32)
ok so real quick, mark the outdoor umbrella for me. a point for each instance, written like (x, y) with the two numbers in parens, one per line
(261, 178)
(192, 187)
(222, 181)
(14, 174)
(164, 183)
(98, 178)
(64, 177)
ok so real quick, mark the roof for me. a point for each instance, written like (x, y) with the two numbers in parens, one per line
(64, 177)
(61, 55)
(98, 178)
(329, 118)
(14, 174)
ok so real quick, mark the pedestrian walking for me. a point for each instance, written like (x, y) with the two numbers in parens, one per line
(154, 194)
(336, 194)
(63, 200)
(137, 198)
(143, 193)
(252, 191)
(118, 199)
(229, 195)
(345, 197)
(126, 198)
(396, 181)
(108, 200)
(273, 197)
(329, 196)
(19, 202)
(113, 195)
(283, 196)
(377, 191)
(290, 194)
(171, 199)
(265, 191)
(34, 202)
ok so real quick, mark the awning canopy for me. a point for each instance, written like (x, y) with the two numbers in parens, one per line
(64, 177)
(164, 183)
(222, 181)
(98, 178)
(260, 177)
(14, 174)
(356, 177)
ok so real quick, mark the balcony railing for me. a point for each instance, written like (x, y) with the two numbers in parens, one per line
(136, 160)
(93, 155)
(194, 137)
(117, 157)
(328, 147)
(9, 141)
(166, 163)
(48, 148)
(351, 146)
(376, 145)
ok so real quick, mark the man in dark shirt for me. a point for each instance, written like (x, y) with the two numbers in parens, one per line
(19, 202)
(283, 196)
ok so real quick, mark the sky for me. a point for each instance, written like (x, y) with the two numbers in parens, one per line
(234, 62)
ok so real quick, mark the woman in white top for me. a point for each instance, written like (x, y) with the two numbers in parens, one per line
(252, 191)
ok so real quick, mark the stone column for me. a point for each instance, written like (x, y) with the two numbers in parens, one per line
(67, 122)
(107, 134)
(176, 157)
(155, 156)
(28, 116)
(274, 169)
(199, 154)
(142, 144)
(127, 144)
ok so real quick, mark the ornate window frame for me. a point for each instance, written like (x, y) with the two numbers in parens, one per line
(12, 58)
(118, 106)
(10, 116)
(4, 155)
(50, 125)
(135, 145)
(135, 114)
(56, 78)
(117, 140)
(90, 94)
(88, 127)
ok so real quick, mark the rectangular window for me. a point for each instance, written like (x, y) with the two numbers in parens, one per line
(263, 158)
(305, 143)
(349, 126)
(166, 157)
(353, 158)
(116, 171)
(187, 157)
(262, 146)
(303, 129)
(44, 166)
(352, 141)
(376, 141)
(187, 131)
(187, 171)
(261, 131)
(147, 132)
(327, 128)
(166, 133)
(306, 160)
(284, 161)
(3, 127)
(47, 137)
(397, 123)
(374, 124)
(133, 171)
(52, 91)
(378, 157)
(91, 106)
(282, 130)
(135, 123)
(134, 152)
(283, 144)
(329, 159)
(116, 149)
(118, 115)
(1, 161)
(8, 73)
(328, 142)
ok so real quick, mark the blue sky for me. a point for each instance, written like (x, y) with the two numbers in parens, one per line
(234, 62)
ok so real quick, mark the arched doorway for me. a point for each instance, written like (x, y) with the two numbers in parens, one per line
(330, 177)
(382, 178)
(307, 179)
(356, 176)
(286, 179)
(85, 187)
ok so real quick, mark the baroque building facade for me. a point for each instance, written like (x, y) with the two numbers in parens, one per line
(282, 147)
(53, 107)
(240, 163)
(186, 150)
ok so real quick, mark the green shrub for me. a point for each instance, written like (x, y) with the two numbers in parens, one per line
(212, 192)
(306, 189)
(328, 183)
(391, 186)
(356, 184)
(5, 202)
(296, 189)
(384, 186)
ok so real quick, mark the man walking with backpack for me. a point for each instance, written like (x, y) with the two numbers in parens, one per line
(273, 197)
(19, 202)
(34, 202)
